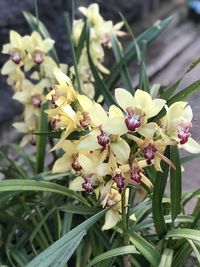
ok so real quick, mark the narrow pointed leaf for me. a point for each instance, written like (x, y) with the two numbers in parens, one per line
(31, 185)
(118, 53)
(145, 248)
(175, 182)
(166, 259)
(113, 253)
(59, 253)
(157, 206)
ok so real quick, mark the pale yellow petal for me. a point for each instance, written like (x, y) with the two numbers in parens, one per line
(76, 184)
(61, 165)
(124, 98)
(115, 126)
(191, 146)
(48, 44)
(142, 98)
(148, 130)
(187, 113)
(86, 163)
(155, 108)
(15, 39)
(8, 67)
(111, 219)
(121, 150)
(89, 143)
(115, 112)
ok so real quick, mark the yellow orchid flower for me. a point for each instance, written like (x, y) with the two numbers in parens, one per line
(15, 79)
(37, 47)
(106, 129)
(153, 150)
(16, 48)
(63, 93)
(139, 109)
(28, 127)
(77, 28)
(32, 96)
(93, 169)
(176, 125)
(92, 14)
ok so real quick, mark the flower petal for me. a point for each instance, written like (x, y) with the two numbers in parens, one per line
(76, 184)
(89, 143)
(61, 165)
(148, 130)
(192, 146)
(124, 98)
(111, 219)
(155, 108)
(115, 126)
(121, 150)
(86, 163)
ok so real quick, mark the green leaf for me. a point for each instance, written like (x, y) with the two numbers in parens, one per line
(188, 91)
(166, 259)
(118, 53)
(145, 248)
(143, 77)
(31, 185)
(196, 250)
(113, 253)
(159, 188)
(184, 233)
(74, 60)
(59, 253)
(168, 92)
(81, 42)
(79, 209)
(130, 52)
(175, 182)
(33, 24)
(41, 140)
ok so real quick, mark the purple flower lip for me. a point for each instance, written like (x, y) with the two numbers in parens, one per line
(119, 180)
(136, 174)
(103, 139)
(15, 56)
(183, 132)
(149, 153)
(36, 101)
(87, 185)
(133, 121)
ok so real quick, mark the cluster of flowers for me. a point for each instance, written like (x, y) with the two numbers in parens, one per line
(101, 32)
(116, 144)
(30, 71)
(30, 68)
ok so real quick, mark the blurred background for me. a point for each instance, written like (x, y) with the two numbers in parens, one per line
(168, 57)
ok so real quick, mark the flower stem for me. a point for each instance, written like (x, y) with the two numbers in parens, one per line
(126, 240)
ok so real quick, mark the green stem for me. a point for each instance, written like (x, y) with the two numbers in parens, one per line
(41, 140)
(126, 240)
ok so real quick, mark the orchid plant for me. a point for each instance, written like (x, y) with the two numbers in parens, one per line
(109, 153)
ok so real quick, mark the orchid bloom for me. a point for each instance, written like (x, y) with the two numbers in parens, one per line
(138, 110)
(37, 48)
(16, 50)
(63, 93)
(93, 169)
(106, 130)
(176, 125)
